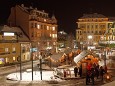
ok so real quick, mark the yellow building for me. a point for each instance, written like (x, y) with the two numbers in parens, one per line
(13, 45)
(37, 25)
(91, 29)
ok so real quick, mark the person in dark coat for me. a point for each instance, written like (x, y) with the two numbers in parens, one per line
(97, 71)
(80, 71)
(102, 71)
(88, 77)
(75, 71)
(92, 74)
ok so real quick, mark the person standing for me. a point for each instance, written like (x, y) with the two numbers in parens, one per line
(88, 76)
(92, 74)
(102, 71)
(97, 71)
(64, 71)
(75, 71)
(80, 71)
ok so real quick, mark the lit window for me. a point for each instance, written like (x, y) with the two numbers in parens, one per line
(38, 26)
(45, 20)
(6, 49)
(53, 35)
(14, 58)
(53, 28)
(6, 60)
(13, 49)
(47, 27)
(50, 35)
(54, 43)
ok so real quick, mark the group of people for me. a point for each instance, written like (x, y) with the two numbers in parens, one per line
(78, 71)
(93, 71)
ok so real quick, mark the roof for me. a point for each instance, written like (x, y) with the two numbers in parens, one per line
(81, 56)
(21, 36)
(94, 15)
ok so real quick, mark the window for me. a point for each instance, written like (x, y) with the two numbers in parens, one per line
(38, 26)
(13, 50)
(88, 26)
(32, 25)
(53, 28)
(96, 26)
(54, 43)
(35, 25)
(47, 27)
(32, 34)
(7, 60)
(6, 49)
(44, 20)
(50, 35)
(96, 32)
(92, 26)
(14, 58)
(53, 35)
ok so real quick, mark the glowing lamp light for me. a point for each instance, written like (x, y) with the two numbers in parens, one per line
(108, 77)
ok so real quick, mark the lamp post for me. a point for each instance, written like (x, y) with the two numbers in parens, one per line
(32, 58)
(20, 57)
(104, 55)
(40, 57)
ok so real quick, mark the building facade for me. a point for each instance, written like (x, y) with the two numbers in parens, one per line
(14, 45)
(39, 27)
(92, 28)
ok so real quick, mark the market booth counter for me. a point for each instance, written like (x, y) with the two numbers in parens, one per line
(65, 72)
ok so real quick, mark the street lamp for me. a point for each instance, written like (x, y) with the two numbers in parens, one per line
(90, 37)
(81, 43)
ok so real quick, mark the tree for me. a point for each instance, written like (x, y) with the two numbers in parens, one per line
(70, 40)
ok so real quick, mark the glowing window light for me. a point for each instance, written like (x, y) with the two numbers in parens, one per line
(14, 49)
(14, 58)
(90, 37)
(47, 27)
(53, 28)
(45, 20)
(53, 35)
(6, 60)
(38, 26)
(6, 49)
(50, 35)
(8, 34)
(54, 43)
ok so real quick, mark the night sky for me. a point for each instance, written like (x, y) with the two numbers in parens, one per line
(66, 11)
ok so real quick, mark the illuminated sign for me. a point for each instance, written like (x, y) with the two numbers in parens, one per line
(1, 60)
(8, 34)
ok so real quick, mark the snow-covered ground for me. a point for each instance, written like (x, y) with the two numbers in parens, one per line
(27, 76)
